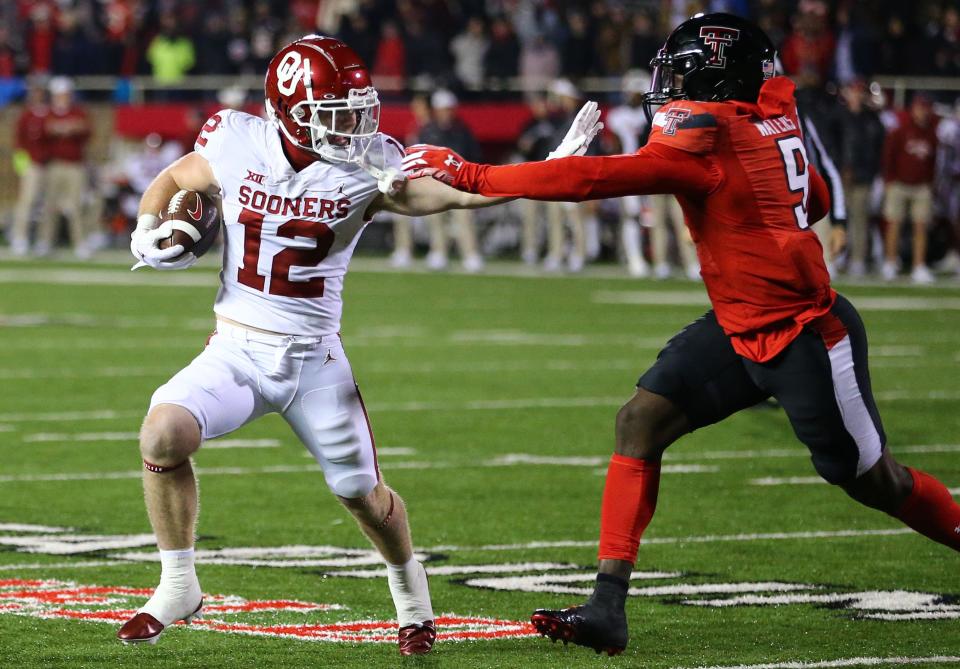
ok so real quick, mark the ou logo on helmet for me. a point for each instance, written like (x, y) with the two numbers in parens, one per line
(290, 70)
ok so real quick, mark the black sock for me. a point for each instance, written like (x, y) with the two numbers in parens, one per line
(609, 592)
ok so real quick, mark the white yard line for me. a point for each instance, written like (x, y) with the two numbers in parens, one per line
(896, 351)
(43, 319)
(498, 367)
(806, 480)
(99, 343)
(85, 564)
(69, 416)
(80, 436)
(524, 338)
(906, 395)
(85, 373)
(34, 529)
(715, 538)
(392, 451)
(842, 662)
(696, 298)
(470, 405)
(497, 405)
(488, 367)
(512, 460)
(539, 545)
(241, 443)
(136, 473)
(106, 277)
(787, 480)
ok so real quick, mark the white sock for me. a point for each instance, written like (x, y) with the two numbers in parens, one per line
(179, 592)
(411, 596)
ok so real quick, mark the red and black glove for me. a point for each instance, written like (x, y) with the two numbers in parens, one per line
(439, 162)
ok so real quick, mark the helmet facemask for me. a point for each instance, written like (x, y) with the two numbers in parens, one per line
(666, 83)
(339, 130)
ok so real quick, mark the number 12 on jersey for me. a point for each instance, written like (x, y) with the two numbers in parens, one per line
(798, 175)
(280, 282)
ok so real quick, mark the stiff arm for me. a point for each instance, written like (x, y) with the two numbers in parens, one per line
(423, 196)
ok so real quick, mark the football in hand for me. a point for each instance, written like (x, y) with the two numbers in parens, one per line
(195, 219)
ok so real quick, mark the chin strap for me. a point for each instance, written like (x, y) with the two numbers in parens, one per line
(157, 469)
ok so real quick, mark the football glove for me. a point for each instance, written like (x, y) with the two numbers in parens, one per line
(145, 246)
(389, 181)
(584, 128)
(427, 160)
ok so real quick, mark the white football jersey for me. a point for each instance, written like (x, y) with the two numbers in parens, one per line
(289, 235)
(628, 124)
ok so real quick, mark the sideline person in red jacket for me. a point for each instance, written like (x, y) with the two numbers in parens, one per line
(67, 132)
(909, 162)
(30, 161)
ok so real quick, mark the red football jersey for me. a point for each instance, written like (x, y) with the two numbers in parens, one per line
(749, 196)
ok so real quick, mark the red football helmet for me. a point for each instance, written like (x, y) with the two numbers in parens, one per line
(319, 94)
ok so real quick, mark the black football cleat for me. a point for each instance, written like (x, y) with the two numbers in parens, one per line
(604, 630)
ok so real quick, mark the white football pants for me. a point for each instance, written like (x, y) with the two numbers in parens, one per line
(242, 375)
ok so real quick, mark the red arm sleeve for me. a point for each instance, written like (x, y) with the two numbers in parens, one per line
(654, 169)
(819, 203)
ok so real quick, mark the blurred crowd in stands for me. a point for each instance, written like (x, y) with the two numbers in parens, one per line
(894, 172)
(462, 43)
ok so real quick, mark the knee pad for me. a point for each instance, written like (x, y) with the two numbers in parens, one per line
(341, 439)
(352, 486)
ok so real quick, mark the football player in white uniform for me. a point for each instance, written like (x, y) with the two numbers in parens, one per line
(296, 192)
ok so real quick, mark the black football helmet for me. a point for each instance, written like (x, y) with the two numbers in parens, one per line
(711, 58)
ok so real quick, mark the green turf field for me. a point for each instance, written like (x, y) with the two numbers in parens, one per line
(493, 400)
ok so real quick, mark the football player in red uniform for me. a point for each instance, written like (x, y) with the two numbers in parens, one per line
(727, 143)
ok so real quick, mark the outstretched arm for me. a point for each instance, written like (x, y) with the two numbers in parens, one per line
(423, 196)
(654, 169)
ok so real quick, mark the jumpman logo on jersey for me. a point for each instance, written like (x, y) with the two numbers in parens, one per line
(329, 358)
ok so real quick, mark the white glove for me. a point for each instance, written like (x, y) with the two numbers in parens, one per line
(584, 128)
(145, 246)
